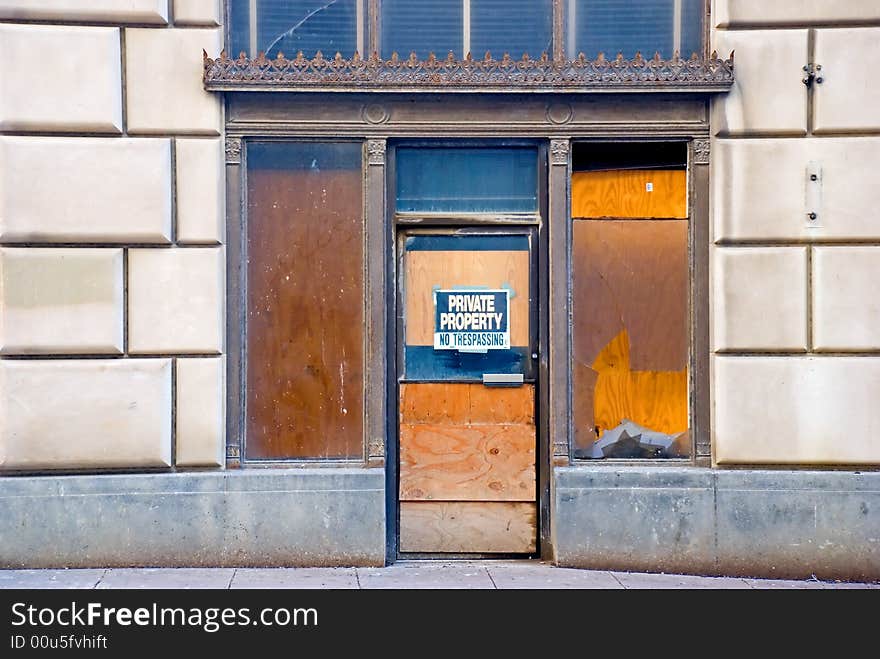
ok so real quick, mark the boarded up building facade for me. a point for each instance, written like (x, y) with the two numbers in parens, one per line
(311, 283)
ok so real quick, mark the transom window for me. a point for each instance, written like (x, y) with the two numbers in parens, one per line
(460, 27)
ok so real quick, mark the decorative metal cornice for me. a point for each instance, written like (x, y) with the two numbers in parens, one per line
(450, 74)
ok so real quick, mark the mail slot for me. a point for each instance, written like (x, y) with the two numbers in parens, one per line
(503, 379)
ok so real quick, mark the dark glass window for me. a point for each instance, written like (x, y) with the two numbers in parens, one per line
(290, 26)
(443, 179)
(305, 298)
(630, 26)
(459, 26)
(422, 27)
(502, 26)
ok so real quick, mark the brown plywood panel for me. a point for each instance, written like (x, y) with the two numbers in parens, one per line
(634, 276)
(448, 269)
(629, 326)
(502, 404)
(490, 527)
(434, 402)
(491, 462)
(461, 402)
(305, 314)
(641, 193)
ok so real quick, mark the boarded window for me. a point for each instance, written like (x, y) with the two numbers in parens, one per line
(305, 382)
(630, 311)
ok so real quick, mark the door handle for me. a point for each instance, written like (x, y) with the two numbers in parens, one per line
(503, 379)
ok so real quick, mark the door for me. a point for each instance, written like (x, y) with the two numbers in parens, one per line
(467, 440)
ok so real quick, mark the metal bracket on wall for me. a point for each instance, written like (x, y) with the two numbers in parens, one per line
(813, 199)
(812, 71)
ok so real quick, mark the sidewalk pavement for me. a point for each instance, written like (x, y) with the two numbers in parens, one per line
(403, 574)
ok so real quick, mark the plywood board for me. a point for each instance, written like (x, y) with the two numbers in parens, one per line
(493, 527)
(426, 270)
(629, 326)
(487, 462)
(460, 402)
(641, 193)
(305, 320)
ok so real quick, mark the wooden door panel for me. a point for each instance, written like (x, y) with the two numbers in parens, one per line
(468, 526)
(486, 462)
(466, 451)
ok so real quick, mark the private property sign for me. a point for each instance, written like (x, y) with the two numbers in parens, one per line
(471, 320)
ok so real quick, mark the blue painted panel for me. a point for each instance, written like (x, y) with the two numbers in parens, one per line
(425, 363)
(438, 179)
(467, 243)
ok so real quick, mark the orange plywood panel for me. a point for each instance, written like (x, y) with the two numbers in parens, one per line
(643, 193)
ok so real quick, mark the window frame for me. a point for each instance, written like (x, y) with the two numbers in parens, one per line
(692, 302)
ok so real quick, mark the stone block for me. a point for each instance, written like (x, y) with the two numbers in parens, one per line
(796, 410)
(256, 517)
(57, 78)
(768, 95)
(85, 189)
(737, 13)
(652, 518)
(198, 12)
(200, 413)
(57, 300)
(175, 300)
(76, 414)
(97, 11)
(769, 316)
(846, 308)
(759, 189)
(201, 191)
(848, 100)
(164, 91)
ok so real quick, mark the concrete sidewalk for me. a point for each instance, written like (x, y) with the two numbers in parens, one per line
(403, 574)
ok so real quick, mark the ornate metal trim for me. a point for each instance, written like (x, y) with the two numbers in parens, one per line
(233, 150)
(702, 149)
(450, 74)
(559, 151)
(376, 152)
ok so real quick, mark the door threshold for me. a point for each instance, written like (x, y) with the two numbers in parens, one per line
(422, 556)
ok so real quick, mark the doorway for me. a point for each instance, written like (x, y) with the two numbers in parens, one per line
(467, 366)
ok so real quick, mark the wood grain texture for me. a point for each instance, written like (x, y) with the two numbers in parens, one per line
(461, 402)
(496, 527)
(425, 270)
(623, 193)
(435, 402)
(484, 462)
(305, 314)
(629, 326)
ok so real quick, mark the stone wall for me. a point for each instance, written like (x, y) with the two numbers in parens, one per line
(795, 307)
(112, 218)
